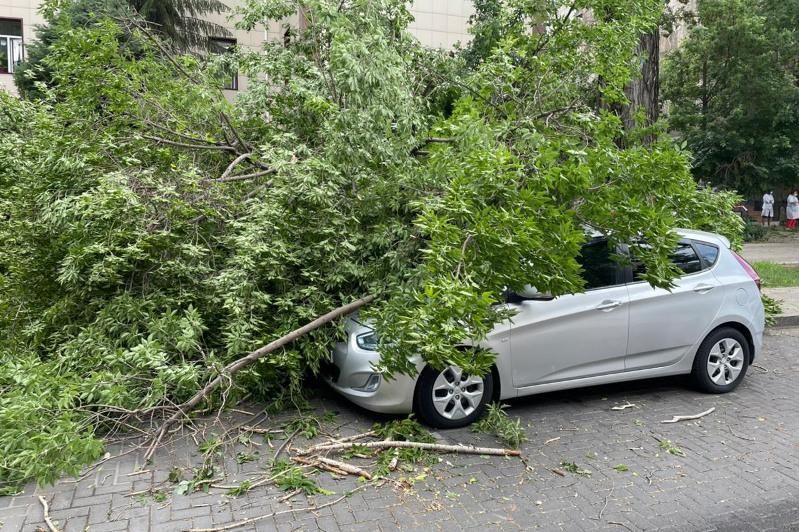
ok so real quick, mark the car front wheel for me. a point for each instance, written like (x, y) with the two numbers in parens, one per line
(451, 398)
(721, 361)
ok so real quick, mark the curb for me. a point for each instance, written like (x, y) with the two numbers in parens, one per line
(786, 321)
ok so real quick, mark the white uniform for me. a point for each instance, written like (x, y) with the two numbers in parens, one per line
(793, 207)
(768, 206)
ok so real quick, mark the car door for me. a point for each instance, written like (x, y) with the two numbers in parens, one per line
(665, 324)
(577, 335)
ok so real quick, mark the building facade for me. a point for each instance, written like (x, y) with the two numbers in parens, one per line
(438, 23)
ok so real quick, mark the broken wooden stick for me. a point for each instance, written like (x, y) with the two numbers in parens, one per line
(320, 465)
(349, 468)
(236, 366)
(346, 439)
(438, 447)
(675, 419)
(46, 510)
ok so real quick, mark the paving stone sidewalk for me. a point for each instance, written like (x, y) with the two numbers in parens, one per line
(779, 252)
(740, 470)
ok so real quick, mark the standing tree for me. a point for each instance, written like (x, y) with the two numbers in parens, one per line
(732, 88)
(180, 23)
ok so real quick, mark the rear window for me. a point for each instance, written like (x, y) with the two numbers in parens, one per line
(708, 252)
(686, 259)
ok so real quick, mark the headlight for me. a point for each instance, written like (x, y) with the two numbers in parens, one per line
(367, 341)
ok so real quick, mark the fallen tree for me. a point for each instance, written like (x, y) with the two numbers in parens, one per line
(159, 240)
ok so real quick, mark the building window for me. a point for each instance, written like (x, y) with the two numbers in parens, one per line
(10, 45)
(229, 75)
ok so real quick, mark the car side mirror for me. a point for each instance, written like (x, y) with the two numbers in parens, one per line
(527, 293)
(530, 292)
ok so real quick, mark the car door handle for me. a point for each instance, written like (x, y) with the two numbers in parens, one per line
(608, 304)
(703, 288)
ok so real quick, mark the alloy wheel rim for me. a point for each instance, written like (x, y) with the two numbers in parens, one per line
(725, 362)
(457, 394)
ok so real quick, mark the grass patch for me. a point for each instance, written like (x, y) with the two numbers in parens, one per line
(777, 275)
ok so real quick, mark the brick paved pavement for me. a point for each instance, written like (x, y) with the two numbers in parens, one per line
(740, 470)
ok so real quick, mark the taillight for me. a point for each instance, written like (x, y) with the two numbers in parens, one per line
(749, 270)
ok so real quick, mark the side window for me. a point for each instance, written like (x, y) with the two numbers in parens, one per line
(10, 45)
(686, 259)
(599, 268)
(230, 76)
(708, 252)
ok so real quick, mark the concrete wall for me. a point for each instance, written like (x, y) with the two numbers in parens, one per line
(441, 23)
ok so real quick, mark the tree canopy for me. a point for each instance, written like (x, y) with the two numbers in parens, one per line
(155, 232)
(180, 23)
(732, 88)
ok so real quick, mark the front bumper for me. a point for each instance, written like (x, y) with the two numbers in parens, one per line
(350, 370)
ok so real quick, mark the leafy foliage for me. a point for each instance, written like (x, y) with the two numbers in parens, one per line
(182, 23)
(407, 429)
(289, 477)
(734, 95)
(572, 467)
(498, 422)
(155, 232)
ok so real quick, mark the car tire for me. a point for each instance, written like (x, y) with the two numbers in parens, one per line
(721, 361)
(450, 399)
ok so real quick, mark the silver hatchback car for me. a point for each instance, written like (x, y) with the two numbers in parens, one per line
(709, 325)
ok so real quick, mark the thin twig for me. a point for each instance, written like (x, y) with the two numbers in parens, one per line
(190, 146)
(290, 495)
(243, 177)
(747, 438)
(46, 510)
(620, 524)
(675, 419)
(251, 520)
(602, 511)
(284, 444)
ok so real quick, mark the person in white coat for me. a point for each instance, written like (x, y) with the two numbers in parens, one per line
(767, 213)
(792, 212)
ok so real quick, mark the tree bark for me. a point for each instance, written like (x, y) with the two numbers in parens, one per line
(234, 367)
(644, 91)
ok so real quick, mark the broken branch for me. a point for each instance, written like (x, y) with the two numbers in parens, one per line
(251, 520)
(231, 166)
(441, 448)
(234, 367)
(46, 510)
(675, 419)
(243, 177)
(349, 468)
(190, 146)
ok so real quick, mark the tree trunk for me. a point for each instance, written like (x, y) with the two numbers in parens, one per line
(644, 91)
